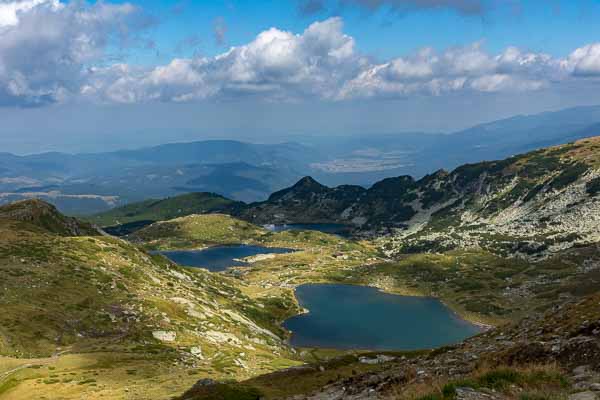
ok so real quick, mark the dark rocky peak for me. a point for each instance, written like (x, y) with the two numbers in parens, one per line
(438, 175)
(306, 186)
(308, 183)
(393, 187)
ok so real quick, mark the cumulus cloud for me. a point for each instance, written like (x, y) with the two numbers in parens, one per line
(276, 64)
(585, 61)
(52, 52)
(9, 9)
(467, 68)
(45, 46)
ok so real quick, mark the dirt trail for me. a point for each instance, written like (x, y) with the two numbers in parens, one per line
(41, 361)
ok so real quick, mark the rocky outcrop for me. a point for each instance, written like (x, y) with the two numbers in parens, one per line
(532, 204)
(46, 216)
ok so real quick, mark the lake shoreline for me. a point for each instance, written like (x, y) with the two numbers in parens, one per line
(455, 329)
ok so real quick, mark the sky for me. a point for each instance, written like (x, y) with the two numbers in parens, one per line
(92, 76)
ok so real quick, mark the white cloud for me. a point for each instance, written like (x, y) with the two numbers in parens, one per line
(467, 68)
(322, 63)
(585, 61)
(52, 52)
(276, 64)
(9, 10)
(45, 47)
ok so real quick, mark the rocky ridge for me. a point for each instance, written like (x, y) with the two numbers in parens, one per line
(46, 217)
(532, 205)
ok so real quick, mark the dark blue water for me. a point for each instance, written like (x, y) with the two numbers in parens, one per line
(359, 317)
(219, 258)
(335, 229)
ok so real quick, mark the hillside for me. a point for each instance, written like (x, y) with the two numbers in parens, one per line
(124, 220)
(95, 317)
(82, 184)
(196, 231)
(476, 283)
(46, 217)
(531, 204)
(552, 355)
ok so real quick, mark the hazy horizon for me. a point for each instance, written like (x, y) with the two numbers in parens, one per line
(98, 76)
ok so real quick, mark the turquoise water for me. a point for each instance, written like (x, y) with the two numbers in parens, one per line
(219, 258)
(359, 317)
(335, 229)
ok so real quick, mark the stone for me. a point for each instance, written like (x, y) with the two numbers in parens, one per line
(197, 351)
(466, 393)
(581, 377)
(582, 369)
(165, 336)
(380, 359)
(205, 382)
(584, 396)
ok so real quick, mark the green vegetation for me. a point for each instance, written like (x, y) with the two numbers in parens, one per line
(45, 217)
(91, 314)
(321, 368)
(197, 231)
(593, 186)
(165, 209)
(101, 304)
(526, 381)
(568, 175)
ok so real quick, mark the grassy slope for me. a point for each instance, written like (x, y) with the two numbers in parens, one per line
(196, 231)
(45, 216)
(517, 361)
(474, 282)
(478, 284)
(99, 300)
(165, 209)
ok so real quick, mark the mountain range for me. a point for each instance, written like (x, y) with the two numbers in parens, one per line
(533, 204)
(81, 184)
(510, 244)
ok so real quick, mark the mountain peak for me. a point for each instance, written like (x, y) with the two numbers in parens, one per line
(46, 216)
(308, 182)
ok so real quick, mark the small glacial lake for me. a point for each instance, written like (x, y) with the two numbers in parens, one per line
(219, 258)
(334, 229)
(360, 317)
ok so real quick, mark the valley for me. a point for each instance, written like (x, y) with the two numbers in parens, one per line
(299, 200)
(86, 313)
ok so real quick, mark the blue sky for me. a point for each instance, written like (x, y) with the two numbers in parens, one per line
(85, 76)
(554, 27)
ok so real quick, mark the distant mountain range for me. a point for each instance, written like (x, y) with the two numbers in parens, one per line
(534, 203)
(88, 183)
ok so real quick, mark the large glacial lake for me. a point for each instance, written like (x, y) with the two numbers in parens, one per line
(360, 317)
(219, 258)
(334, 229)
